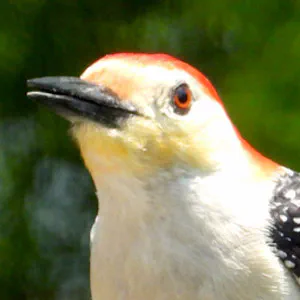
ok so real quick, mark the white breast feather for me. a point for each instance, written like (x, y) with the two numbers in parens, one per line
(184, 235)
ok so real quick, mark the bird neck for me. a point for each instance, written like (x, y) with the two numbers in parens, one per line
(179, 216)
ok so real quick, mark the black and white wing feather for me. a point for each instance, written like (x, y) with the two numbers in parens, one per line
(285, 211)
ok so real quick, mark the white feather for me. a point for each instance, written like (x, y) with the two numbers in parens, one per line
(185, 235)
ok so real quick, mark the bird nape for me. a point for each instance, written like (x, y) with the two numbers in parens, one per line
(189, 210)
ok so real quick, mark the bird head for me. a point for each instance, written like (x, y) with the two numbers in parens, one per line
(143, 112)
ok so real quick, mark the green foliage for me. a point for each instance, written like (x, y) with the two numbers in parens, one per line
(249, 49)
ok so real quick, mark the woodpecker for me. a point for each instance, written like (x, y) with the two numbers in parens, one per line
(187, 208)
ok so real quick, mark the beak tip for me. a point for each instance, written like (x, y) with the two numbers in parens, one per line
(36, 82)
(30, 82)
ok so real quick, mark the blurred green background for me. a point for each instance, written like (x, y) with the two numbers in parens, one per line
(250, 50)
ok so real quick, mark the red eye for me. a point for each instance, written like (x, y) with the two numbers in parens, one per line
(183, 97)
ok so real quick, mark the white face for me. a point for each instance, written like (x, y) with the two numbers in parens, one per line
(192, 133)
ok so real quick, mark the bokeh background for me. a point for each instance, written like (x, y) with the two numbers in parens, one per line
(250, 50)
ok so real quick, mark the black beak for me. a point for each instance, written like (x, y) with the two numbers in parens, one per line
(72, 96)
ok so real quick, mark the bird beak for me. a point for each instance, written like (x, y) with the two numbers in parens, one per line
(72, 96)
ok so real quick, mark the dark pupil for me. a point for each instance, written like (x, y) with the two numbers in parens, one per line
(182, 95)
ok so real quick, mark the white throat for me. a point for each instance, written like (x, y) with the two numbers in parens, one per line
(172, 235)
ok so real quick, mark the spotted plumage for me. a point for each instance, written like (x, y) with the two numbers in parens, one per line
(285, 211)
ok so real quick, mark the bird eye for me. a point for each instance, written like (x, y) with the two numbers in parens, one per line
(182, 97)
